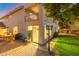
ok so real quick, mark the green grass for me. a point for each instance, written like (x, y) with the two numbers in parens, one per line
(68, 45)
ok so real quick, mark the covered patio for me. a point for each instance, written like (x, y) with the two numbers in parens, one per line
(4, 33)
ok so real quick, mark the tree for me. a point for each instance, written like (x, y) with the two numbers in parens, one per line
(65, 13)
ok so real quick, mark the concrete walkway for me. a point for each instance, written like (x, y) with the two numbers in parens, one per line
(21, 49)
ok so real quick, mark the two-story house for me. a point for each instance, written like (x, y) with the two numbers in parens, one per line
(29, 19)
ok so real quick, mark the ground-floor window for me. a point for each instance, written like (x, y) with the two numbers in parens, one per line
(47, 31)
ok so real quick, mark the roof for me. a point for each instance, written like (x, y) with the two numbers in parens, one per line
(2, 25)
(13, 11)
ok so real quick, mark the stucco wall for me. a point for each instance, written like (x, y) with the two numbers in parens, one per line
(16, 19)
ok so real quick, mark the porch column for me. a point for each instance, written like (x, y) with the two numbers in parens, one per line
(41, 26)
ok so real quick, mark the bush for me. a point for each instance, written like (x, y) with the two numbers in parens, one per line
(20, 36)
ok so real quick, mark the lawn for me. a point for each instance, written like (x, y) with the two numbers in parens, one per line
(68, 45)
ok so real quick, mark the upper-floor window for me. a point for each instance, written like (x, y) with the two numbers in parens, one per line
(33, 16)
(33, 12)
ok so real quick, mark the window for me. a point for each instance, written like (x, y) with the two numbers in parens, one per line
(33, 12)
(47, 31)
(32, 16)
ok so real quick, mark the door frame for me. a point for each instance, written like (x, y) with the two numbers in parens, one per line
(32, 33)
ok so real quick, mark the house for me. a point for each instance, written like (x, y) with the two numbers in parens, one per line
(29, 19)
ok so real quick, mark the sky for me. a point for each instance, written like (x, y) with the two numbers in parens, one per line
(6, 7)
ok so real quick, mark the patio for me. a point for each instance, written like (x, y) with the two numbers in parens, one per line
(17, 48)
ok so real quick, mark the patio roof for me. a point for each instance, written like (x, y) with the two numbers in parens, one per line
(2, 25)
